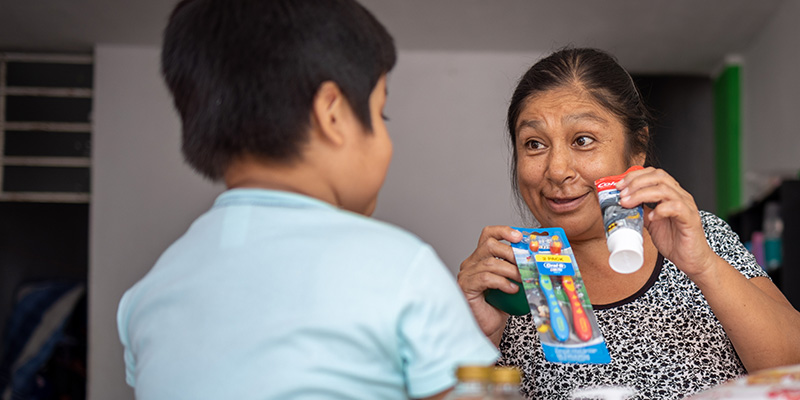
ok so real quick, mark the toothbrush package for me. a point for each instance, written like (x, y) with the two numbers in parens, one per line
(558, 301)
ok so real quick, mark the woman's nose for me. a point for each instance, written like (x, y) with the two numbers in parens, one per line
(560, 166)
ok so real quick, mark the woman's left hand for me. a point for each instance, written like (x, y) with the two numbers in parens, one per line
(761, 324)
(674, 223)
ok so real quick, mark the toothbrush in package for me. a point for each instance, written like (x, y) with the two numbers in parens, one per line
(558, 301)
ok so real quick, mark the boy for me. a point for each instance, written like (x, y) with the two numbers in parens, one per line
(285, 289)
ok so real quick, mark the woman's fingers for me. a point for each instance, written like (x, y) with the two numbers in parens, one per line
(668, 202)
(674, 223)
(490, 246)
(489, 273)
(500, 250)
(489, 267)
(498, 233)
(651, 186)
(636, 180)
(491, 264)
(671, 203)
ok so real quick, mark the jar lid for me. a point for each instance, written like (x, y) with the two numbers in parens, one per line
(473, 373)
(510, 375)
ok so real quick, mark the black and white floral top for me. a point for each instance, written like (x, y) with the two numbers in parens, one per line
(664, 341)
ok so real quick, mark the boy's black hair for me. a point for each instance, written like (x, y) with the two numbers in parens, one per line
(243, 73)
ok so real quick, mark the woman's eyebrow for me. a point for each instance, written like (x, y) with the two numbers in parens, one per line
(529, 123)
(571, 118)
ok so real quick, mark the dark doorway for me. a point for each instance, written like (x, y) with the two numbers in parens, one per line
(683, 132)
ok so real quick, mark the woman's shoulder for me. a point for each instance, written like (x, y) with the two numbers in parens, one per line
(712, 221)
(716, 228)
(728, 245)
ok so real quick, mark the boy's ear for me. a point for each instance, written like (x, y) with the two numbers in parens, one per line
(329, 113)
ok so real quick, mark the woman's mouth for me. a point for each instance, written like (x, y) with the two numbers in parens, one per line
(565, 204)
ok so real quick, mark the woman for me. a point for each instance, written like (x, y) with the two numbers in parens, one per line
(700, 311)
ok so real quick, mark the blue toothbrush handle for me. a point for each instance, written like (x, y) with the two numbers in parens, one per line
(558, 321)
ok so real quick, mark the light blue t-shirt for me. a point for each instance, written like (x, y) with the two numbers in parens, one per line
(275, 295)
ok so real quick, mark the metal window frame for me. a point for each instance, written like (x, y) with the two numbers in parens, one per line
(67, 162)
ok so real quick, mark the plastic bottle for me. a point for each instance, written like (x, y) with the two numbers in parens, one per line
(473, 383)
(773, 229)
(505, 383)
(757, 248)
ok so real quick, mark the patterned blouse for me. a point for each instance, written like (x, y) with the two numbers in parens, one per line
(664, 340)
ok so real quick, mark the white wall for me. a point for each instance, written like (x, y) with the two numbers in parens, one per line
(447, 180)
(143, 196)
(771, 101)
(449, 176)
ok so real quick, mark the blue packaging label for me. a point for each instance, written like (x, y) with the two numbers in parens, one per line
(586, 354)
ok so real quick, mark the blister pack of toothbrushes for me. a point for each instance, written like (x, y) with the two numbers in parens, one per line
(559, 303)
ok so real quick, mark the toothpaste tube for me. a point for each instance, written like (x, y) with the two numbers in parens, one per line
(623, 226)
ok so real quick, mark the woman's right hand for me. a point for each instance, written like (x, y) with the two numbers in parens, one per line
(489, 267)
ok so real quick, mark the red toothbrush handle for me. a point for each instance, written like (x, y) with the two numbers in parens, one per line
(583, 329)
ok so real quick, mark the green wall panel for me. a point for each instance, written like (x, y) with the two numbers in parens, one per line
(727, 140)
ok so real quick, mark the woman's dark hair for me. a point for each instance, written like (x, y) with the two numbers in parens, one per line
(595, 72)
(244, 73)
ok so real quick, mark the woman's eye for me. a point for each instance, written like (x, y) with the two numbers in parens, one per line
(584, 141)
(534, 144)
(385, 118)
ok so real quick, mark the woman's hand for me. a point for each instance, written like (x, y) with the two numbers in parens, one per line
(674, 223)
(762, 325)
(488, 267)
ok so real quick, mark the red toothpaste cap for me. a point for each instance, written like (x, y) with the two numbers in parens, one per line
(610, 182)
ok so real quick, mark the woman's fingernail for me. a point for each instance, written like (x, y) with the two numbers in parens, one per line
(624, 192)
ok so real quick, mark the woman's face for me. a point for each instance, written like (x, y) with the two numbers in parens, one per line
(565, 141)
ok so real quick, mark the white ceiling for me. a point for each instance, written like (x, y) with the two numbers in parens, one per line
(669, 36)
